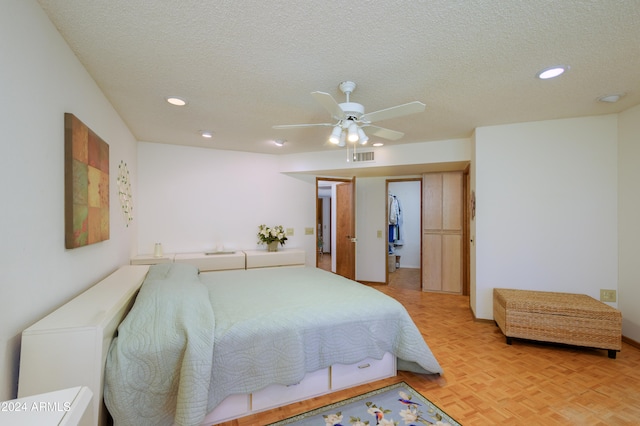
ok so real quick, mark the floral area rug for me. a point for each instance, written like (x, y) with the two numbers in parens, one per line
(394, 405)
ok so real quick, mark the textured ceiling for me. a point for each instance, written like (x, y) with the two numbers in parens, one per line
(245, 66)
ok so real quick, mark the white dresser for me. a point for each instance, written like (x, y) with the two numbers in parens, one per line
(149, 259)
(221, 261)
(216, 261)
(268, 259)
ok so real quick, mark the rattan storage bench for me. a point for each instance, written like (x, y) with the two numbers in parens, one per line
(571, 319)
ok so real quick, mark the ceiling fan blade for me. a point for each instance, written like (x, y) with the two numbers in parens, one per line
(393, 112)
(330, 104)
(381, 132)
(293, 126)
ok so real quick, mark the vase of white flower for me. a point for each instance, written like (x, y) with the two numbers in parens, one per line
(271, 236)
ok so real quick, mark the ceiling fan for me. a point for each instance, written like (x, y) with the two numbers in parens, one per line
(351, 119)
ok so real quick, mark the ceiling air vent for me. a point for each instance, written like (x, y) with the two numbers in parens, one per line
(363, 156)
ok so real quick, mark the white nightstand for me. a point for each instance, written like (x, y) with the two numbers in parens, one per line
(149, 259)
(67, 407)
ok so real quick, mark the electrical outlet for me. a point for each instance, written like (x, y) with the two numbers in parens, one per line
(607, 295)
(290, 232)
(308, 231)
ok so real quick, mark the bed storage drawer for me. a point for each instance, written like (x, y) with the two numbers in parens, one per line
(344, 376)
(232, 407)
(313, 384)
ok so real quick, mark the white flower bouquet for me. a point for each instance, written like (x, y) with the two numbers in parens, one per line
(267, 235)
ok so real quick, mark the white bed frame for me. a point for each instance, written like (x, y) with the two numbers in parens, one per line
(69, 347)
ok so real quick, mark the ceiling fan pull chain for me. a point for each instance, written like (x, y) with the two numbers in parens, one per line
(354, 151)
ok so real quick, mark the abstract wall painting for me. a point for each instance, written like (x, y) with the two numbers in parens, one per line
(86, 185)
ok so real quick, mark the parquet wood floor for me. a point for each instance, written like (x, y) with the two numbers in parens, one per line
(324, 262)
(407, 278)
(487, 382)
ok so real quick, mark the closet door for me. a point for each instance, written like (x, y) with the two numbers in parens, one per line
(431, 262)
(451, 263)
(442, 234)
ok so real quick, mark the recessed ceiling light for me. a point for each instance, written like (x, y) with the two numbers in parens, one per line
(279, 142)
(378, 144)
(206, 134)
(610, 98)
(173, 100)
(552, 72)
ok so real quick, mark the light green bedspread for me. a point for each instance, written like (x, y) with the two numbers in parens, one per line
(270, 326)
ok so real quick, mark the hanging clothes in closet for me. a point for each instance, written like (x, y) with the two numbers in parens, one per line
(395, 223)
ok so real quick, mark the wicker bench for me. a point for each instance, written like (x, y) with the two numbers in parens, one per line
(572, 319)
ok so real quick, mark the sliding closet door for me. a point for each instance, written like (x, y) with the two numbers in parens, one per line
(442, 250)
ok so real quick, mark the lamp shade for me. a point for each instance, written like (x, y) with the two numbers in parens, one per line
(353, 132)
(363, 138)
(335, 135)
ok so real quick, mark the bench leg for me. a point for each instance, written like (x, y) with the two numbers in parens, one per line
(612, 354)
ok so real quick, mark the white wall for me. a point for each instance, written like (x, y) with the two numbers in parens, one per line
(408, 194)
(195, 199)
(446, 151)
(547, 208)
(40, 80)
(629, 226)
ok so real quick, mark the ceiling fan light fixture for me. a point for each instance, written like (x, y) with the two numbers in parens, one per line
(349, 117)
(343, 139)
(335, 135)
(353, 132)
(363, 138)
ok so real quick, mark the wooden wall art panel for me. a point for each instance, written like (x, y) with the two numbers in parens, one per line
(86, 184)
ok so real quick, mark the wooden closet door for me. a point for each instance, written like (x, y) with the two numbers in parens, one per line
(442, 234)
(452, 202)
(431, 262)
(452, 263)
(432, 201)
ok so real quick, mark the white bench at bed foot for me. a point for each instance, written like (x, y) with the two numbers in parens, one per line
(314, 384)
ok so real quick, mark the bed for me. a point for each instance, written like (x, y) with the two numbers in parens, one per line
(232, 362)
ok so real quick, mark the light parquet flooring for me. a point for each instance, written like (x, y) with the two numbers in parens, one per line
(324, 261)
(407, 278)
(487, 382)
